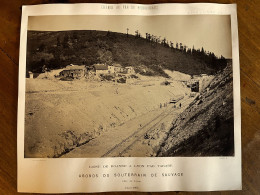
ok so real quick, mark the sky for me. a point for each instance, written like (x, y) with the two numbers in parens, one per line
(212, 32)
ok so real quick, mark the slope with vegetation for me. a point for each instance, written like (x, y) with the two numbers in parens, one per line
(148, 56)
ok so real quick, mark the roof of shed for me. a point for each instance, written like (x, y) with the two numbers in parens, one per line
(101, 67)
(117, 65)
(75, 67)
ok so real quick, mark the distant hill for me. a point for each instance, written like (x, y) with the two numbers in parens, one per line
(58, 49)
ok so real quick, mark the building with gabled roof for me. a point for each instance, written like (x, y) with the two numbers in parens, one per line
(100, 69)
(73, 71)
(118, 68)
(111, 69)
(130, 70)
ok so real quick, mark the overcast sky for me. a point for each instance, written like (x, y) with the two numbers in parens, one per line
(213, 32)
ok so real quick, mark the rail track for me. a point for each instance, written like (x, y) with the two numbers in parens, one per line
(119, 149)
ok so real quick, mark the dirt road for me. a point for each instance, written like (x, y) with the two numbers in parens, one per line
(137, 137)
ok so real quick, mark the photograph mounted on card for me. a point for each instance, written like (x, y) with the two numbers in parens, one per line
(130, 92)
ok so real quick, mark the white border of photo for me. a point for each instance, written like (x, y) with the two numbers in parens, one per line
(55, 175)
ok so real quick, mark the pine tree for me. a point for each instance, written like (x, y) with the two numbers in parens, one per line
(193, 50)
(202, 50)
(136, 33)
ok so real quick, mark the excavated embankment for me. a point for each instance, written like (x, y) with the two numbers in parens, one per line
(61, 116)
(206, 127)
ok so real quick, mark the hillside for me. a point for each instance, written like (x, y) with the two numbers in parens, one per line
(206, 127)
(58, 49)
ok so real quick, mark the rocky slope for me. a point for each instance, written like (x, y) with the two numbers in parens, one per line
(206, 127)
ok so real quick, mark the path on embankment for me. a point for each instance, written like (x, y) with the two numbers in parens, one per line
(122, 140)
